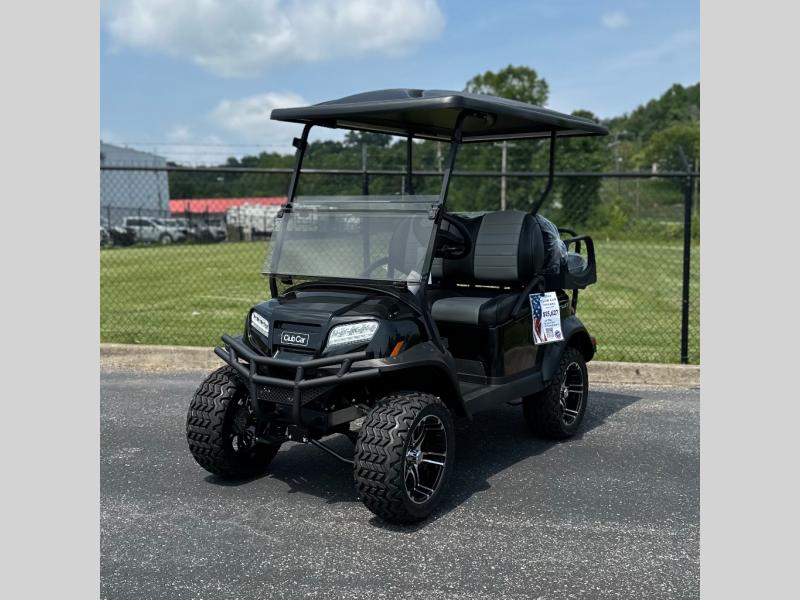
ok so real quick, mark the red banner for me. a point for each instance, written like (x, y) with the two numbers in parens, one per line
(219, 205)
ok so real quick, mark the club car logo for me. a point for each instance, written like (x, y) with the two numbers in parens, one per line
(296, 339)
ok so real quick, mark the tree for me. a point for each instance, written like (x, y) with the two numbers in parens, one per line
(663, 147)
(515, 83)
(677, 105)
(580, 195)
(374, 140)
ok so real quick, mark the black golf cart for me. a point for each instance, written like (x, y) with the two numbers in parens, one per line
(391, 317)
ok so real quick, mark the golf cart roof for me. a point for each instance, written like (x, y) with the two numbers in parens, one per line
(431, 114)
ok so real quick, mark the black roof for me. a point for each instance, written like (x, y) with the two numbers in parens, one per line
(431, 114)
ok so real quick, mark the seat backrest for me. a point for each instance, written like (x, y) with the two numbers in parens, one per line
(507, 249)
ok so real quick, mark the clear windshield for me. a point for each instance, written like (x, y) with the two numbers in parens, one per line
(382, 238)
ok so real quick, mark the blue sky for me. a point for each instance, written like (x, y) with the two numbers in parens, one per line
(195, 79)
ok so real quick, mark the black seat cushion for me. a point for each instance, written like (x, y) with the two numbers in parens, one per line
(472, 306)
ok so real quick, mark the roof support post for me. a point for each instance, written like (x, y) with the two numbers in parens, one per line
(451, 157)
(300, 143)
(550, 172)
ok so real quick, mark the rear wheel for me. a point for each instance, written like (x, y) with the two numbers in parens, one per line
(221, 429)
(557, 411)
(165, 239)
(404, 455)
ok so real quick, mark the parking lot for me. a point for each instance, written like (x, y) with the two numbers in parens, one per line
(612, 513)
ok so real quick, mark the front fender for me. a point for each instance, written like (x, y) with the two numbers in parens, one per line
(424, 368)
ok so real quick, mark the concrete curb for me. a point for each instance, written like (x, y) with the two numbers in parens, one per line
(131, 357)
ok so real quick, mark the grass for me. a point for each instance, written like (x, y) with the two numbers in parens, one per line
(634, 310)
(189, 295)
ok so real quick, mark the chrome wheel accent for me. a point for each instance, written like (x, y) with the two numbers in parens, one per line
(425, 459)
(571, 394)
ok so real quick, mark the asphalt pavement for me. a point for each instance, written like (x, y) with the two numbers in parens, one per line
(612, 513)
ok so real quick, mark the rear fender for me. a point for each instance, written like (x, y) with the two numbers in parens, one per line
(576, 335)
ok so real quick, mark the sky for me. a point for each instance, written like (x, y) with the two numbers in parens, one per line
(195, 80)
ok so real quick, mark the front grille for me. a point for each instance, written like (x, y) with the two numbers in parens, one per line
(277, 395)
(284, 395)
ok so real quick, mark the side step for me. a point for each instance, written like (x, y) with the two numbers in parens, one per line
(480, 396)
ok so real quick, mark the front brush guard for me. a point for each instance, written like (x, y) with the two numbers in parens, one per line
(246, 362)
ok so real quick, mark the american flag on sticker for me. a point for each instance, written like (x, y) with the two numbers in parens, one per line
(546, 317)
(536, 312)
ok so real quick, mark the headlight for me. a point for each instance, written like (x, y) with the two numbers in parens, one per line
(352, 333)
(259, 323)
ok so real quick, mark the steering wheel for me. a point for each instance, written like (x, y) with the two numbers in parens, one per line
(452, 245)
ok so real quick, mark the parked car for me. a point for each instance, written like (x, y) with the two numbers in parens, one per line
(207, 230)
(105, 236)
(148, 229)
(115, 235)
(179, 224)
(200, 228)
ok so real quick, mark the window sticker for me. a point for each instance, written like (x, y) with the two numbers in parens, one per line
(546, 318)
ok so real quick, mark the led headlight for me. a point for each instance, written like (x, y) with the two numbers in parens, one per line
(260, 324)
(352, 333)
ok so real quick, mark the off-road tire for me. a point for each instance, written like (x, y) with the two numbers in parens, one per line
(209, 426)
(381, 453)
(544, 411)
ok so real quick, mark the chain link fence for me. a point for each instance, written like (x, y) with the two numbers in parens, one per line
(182, 248)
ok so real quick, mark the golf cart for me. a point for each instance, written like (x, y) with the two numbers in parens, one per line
(390, 317)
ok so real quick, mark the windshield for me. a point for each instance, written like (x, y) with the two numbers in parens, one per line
(380, 238)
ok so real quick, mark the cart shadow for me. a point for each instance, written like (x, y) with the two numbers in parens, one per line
(491, 443)
(497, 440)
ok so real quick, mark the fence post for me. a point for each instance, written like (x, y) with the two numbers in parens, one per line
(688, 188)
(364, 172)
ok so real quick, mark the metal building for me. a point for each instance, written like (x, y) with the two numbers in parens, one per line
(124, 193)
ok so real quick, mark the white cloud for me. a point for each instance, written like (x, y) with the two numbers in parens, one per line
(235, 127)
(184, 145)
(246, 37)
(247, 118)
(616, 19)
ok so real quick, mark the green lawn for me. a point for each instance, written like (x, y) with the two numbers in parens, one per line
(189, 295)
(634, 309)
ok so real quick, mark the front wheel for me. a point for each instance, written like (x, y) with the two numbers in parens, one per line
(557, 411)
(221, 430)
(404, 455)
(165, 239)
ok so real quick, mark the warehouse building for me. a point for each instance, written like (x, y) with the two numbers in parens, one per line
(124, 193)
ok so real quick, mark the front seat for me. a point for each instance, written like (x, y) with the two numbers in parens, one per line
(507, 252)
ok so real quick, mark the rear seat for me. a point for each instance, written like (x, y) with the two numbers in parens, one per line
(507, 251)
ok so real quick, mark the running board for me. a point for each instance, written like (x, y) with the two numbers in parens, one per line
(479, 397)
